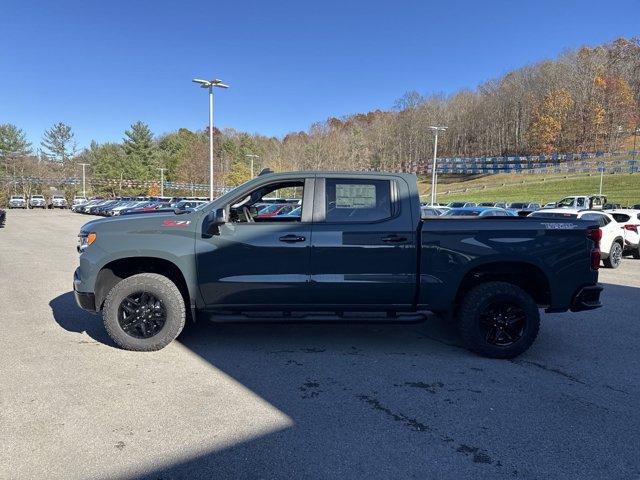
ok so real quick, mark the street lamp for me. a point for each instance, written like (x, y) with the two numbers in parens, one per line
(162, 181)
(210, 84)
(251, 156)
(84, 189)
(435, 154)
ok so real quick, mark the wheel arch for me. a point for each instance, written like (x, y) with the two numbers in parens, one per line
(525, 275)
(116, 270)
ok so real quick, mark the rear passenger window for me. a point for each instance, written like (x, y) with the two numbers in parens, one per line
(355, 200)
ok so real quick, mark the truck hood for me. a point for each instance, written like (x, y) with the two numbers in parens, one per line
(141, 222)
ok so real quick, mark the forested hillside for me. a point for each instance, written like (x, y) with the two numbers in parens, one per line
(584, 100)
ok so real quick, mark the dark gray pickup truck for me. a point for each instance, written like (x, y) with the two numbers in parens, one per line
(355, 249)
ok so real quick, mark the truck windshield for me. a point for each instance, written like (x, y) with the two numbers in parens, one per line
(566, 202)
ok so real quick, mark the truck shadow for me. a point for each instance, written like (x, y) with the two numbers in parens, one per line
(389, 401)
(73, 319)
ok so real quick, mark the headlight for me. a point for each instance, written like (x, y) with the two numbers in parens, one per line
(84, 240)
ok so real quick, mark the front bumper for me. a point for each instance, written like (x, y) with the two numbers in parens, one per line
(85, 300)
(587, 298)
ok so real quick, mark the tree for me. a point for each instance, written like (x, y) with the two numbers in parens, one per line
(138, 142)
(13, 141)
(58, 142)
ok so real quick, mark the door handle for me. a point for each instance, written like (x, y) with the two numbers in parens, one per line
(394, 239)
(292, 238)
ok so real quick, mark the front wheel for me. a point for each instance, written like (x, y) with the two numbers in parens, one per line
(498, 320)
(615, 256)
(144, 312)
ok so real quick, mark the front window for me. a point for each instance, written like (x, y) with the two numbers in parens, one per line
(566, 202)
(259, 206)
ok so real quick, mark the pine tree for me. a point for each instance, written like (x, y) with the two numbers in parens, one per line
(13, 141)
(140, 148)
(58, 142)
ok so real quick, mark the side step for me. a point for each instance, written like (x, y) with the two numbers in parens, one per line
(302, 317)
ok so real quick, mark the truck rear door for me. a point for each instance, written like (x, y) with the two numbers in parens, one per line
(363, 252)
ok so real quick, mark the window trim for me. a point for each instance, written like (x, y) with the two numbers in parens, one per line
(319, 204)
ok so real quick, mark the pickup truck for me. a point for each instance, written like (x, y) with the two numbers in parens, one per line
(359, 250)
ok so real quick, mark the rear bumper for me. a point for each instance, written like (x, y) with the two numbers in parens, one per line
(587, 298)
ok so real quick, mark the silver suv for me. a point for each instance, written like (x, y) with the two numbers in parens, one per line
(37, 201)
(17, 201)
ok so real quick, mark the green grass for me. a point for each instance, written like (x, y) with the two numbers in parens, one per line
(621, 188)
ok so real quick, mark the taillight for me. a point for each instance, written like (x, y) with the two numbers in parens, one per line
(633, 228)
(595, 235)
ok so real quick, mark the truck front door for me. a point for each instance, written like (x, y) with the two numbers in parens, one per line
(258, 262)
(363, 253)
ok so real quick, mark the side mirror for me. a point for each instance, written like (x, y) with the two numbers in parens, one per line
(214, 220)
(218, 217)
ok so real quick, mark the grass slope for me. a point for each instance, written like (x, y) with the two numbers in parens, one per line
(619, 188)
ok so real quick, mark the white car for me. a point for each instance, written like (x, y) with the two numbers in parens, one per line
(118, 210)
(630, 222)
(37, 201)
(58, 201)
(17, 201)
(78, 200)
(613, 234)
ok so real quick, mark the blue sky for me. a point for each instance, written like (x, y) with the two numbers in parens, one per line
(100, 66)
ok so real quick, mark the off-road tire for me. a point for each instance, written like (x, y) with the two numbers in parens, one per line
(615, 256)
(477, 300)
(163, 289)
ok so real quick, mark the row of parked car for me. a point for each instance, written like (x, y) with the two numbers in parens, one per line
(619, 227)
(38, 201)
(109, 207)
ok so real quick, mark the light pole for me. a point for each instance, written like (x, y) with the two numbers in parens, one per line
(162, 181)
(84, 189)
(435, 155)
(210, 84)
(252, 157)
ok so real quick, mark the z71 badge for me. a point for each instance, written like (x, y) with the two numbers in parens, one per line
(175, 223)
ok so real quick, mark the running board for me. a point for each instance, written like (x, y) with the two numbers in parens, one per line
(350, 317)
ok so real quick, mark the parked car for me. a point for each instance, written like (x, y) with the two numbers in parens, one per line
(461, 204)
(118, 209)
(151, 207)
(17, 201)
(361, 248)
(583, 202)
(37, 201)
(80, 207)
(636, 206)
(184, 204)
(612, 237)
(275, 209)
(429, 212)
(58, 201)
(479, 212)
(611, 206)
(78, 199)
(630, 221)
(550, 205)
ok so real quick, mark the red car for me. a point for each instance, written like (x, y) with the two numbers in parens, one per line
(275, 209)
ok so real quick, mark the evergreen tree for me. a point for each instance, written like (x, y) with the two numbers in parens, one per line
(58, 143)
(13, 141)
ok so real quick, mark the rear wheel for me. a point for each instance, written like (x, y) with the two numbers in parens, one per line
(615, 256)
(498, 320)
(144, 312)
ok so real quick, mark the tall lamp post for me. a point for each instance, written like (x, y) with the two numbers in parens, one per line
(84, 186)
(210, 84)
(162, 181)
(252, 157)
(435, 155)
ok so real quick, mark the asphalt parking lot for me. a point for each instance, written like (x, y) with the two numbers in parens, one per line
(303, 401)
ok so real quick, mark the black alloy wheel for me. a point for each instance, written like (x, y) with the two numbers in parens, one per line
(141, 315)
(503, 323)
